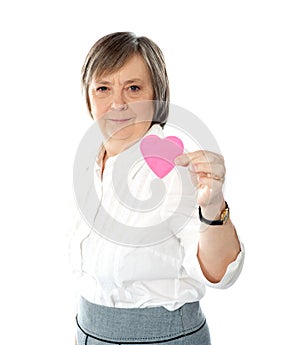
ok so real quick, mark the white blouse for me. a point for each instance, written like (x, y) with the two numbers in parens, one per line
(163, 273)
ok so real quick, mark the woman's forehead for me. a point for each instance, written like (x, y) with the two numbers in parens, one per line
(134, 68)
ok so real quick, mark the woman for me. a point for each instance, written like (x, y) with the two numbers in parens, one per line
(148, 293)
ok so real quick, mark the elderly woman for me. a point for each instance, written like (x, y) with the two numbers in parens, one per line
(147, 294)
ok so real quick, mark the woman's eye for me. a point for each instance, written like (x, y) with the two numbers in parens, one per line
(102, 88)
(134, 88)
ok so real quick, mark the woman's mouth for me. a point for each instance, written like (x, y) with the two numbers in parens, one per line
(120, 120)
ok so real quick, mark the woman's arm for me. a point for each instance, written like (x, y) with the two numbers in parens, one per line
(218, 246)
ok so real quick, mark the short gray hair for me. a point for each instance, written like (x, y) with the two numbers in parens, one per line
(112, 51)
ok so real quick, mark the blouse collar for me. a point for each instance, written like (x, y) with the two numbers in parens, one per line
(156, 129)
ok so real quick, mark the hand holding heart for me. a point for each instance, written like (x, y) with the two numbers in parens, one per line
(207, 169)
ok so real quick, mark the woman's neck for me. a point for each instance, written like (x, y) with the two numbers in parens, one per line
(113, 148)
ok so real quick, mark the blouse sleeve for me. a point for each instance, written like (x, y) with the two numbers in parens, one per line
(78, 230)
(232, 273)
(189, 238)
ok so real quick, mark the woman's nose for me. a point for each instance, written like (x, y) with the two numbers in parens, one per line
(118, 103)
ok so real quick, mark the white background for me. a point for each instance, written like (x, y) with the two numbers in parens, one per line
(233, 63)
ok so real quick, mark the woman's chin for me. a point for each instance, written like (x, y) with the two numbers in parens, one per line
(119, 133)
(130, 133)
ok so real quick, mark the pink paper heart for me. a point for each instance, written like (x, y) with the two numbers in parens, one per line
(160, 153)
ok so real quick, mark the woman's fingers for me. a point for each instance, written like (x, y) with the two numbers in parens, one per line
(213, 170)
(198, 157)
(207, 170)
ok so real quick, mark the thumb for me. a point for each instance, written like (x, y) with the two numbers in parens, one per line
(182, 160)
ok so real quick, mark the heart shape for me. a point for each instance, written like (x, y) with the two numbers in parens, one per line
(160, 153)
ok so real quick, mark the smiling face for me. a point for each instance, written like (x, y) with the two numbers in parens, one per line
(116, 103)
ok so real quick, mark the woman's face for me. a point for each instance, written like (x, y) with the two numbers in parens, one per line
(113, 100)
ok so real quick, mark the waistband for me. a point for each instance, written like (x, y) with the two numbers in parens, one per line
(138, 325)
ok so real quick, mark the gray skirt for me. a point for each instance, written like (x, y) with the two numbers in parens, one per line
(97, 324)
